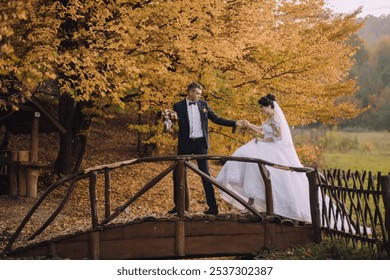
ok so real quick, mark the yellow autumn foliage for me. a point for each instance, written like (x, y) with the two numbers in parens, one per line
(104, 53)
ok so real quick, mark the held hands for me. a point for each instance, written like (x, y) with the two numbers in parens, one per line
(242, 123)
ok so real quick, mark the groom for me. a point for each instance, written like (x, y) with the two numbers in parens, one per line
(193, 115)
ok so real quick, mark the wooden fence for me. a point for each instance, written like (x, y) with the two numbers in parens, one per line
(358, 208)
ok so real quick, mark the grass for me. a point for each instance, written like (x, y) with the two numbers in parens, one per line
(355, 161)
(363, 150)
(326, 250)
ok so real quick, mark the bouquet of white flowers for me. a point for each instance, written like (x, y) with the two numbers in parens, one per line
(169, 118)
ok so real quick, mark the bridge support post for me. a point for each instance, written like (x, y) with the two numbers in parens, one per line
(187, 193)
(180, 247)
(107, 193)
(269, 234)
(93, 199)
(314, 206)
(269, 227)
(180, 203)
(51, 250)
(268, 189)
(94, 245)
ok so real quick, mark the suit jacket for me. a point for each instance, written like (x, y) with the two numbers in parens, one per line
(205, 114)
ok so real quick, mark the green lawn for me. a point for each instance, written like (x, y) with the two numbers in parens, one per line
(345, 150)
(357, 161)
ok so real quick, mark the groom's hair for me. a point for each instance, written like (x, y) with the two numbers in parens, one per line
(193, 86)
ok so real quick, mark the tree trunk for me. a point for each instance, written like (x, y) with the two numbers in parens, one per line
(66, 111)
(72, 143)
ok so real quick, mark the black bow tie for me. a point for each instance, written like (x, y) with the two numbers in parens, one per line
(192, 103)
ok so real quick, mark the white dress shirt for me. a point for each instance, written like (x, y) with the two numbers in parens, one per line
(196, 130)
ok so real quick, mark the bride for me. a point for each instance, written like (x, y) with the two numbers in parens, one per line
(290, 190)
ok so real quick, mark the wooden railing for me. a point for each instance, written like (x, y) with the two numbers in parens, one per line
(356, 208)
(182, 163)
(359, 208)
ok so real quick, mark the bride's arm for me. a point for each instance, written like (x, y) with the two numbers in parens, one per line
(257, 129)
(276, 131)
(254, 127)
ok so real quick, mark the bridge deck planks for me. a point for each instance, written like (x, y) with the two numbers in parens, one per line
(156, 239)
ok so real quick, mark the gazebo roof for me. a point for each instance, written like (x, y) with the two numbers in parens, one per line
(19, 121)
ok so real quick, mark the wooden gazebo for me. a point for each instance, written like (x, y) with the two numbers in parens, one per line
(20, 169)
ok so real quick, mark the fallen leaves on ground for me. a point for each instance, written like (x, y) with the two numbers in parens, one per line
(108, 142)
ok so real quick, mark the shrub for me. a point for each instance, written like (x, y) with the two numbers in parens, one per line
(333, 142)
(310, 155)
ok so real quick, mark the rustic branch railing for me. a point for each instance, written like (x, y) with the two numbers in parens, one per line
(358, 209)
(348, 205)
(181, 162)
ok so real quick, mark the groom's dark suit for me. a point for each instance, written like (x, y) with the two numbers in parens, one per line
(187, 145)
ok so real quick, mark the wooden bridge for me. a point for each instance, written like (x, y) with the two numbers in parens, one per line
(187, 234)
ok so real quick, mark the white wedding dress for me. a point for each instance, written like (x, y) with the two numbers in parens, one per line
(290, 190)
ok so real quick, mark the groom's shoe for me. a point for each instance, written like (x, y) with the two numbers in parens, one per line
(173, 211)
(212, 211)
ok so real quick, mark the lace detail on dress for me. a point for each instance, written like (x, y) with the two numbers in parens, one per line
(272, 129)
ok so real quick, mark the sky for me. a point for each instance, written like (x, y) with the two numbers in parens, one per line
(372, 7)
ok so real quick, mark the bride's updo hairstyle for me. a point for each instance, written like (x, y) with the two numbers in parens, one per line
(267, 100)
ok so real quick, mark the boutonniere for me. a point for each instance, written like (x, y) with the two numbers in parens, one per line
(204, 110)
